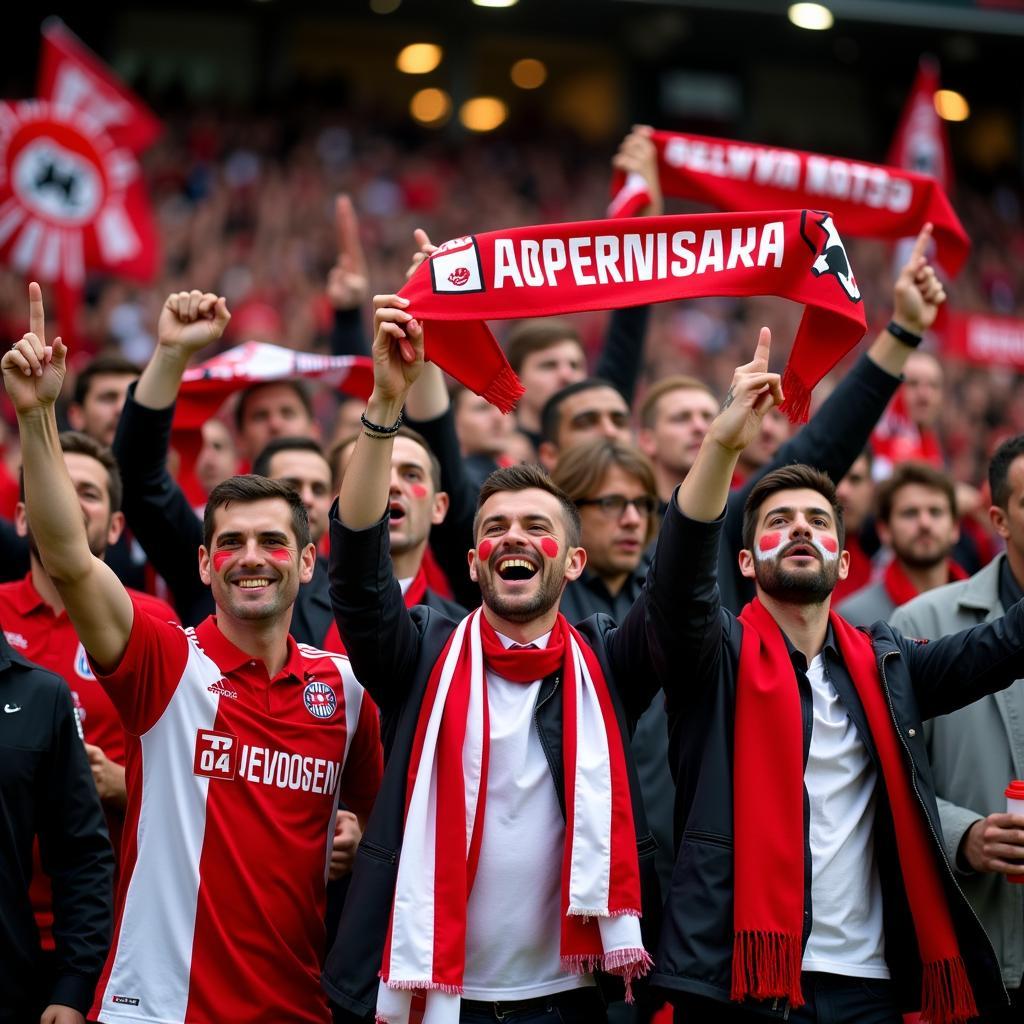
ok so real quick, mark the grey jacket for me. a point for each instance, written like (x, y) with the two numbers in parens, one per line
(974, 753)
(868, 605)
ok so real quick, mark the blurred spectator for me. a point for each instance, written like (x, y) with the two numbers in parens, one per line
(856, 494)
(582, 410)
(218, 456)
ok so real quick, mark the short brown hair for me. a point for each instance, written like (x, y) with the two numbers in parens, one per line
(790, 478)
(77, 443)
(907, 473)
(526, 477)
(581, 469)
(334, 455)
(104, 364)
(529, 336)
(248, 488)
(677, 382)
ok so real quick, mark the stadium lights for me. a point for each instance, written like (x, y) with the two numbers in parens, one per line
(419, 58)
(430, 107)
(483, 113)
(951, 105)
(814, 17)
(528, 73)
(495, 3)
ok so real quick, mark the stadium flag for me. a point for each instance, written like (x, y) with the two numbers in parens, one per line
(869, 200)
(921, 143)
(72, 197)
(607, 264)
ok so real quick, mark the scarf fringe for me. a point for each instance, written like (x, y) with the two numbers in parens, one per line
(766, 965)
(946, 994)
(602, 912)
(628, 964)
(424, 986)
(505, 390)
(797, 405)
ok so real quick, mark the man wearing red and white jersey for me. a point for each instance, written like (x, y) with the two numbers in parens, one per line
(240, 742)
(36, 625)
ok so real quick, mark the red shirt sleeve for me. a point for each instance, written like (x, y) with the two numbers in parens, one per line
(364, 765)
(151, 667)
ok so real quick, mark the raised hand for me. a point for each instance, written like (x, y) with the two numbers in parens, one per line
(397, 349)
(33, 370)
(918, 292)
(424, 247)
(638, 155)
(751, 394)
(348, 281)
(191, 320)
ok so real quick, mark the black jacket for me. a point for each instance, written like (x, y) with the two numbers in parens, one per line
(170, 532)
(393, 652)
(46, 789)
(921, 680)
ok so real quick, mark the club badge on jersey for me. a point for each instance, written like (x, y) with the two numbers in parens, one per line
(319, 699)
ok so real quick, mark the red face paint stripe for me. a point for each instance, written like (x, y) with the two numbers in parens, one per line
(829, 544)
(418, 491)
(220, 558)
(549, 546)
(769, 541)
(485, 549)
(281, 555)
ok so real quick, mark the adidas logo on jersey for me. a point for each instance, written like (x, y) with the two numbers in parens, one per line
(221, 689)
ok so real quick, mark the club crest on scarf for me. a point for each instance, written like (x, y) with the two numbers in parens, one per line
(831, 253)
(455, 266)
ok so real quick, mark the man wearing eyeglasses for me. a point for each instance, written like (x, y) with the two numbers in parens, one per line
(613, 486)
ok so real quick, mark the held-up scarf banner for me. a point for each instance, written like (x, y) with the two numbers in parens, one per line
(768, 821)
(869, 200)
(568, 268)
(425, 950)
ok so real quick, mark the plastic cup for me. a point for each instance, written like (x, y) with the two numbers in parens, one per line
(1015, 805)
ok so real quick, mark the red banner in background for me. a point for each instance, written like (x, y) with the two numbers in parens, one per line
(985, 340)
(921, 142)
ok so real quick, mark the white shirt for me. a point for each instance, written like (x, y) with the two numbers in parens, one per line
(846, 894)
(513, 926)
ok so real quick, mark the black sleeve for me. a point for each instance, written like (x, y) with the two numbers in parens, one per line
(75, 851)
(14, 560)
(622, 355)
(347, 337)
(959, 669)
(672, 635)
(836, 434)
(379, 635)
(156, 509)
(451, 539)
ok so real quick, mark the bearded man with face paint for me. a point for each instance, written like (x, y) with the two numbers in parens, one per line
(239, 740)
(508, 859)
(811, 883)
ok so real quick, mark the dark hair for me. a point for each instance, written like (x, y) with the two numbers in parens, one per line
(105, 363)
(529, 336)
(665, 386)
(334, 455)
(297, 386)
(249, 488)
(551, 413)
(525, 477)
(789, 478)
(581, 469)
(261, 466)
(999, 469)
(77, 443)
(907, 473)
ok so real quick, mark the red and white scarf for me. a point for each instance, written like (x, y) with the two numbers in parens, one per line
(607, 264)
(445, 813)
(869, 200)
(768, 823)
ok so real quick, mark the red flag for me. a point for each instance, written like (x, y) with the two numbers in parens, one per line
(76, 81)
(921, 143)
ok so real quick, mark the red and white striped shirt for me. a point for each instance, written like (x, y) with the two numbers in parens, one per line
(233, 781)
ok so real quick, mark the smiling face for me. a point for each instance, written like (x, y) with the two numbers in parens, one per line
(253, 565)
(523, 559)
(796, 556)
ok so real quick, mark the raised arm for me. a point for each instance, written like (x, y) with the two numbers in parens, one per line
(348, 284)
(95, 599)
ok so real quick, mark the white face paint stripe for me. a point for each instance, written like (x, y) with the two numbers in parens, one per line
(773, 553)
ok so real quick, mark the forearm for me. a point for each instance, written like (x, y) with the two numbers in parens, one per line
(160, 382)
(704, 492)
(428, 397)
(889, 353)
(367, 481)
(54, 514)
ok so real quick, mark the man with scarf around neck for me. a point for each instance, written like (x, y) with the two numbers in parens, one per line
(508, 857)
(811, 883)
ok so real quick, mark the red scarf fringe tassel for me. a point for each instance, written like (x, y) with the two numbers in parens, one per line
(766, 965)
(946, 994)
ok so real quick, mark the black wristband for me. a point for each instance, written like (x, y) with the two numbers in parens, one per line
(376, 430)
(902, 334)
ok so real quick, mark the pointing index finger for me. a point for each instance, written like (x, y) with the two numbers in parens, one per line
(921, 244)
(36, 314)
(764, 345)
(349, 245)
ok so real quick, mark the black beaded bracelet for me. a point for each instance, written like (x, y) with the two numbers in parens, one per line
(902, 334)
(376, 430)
